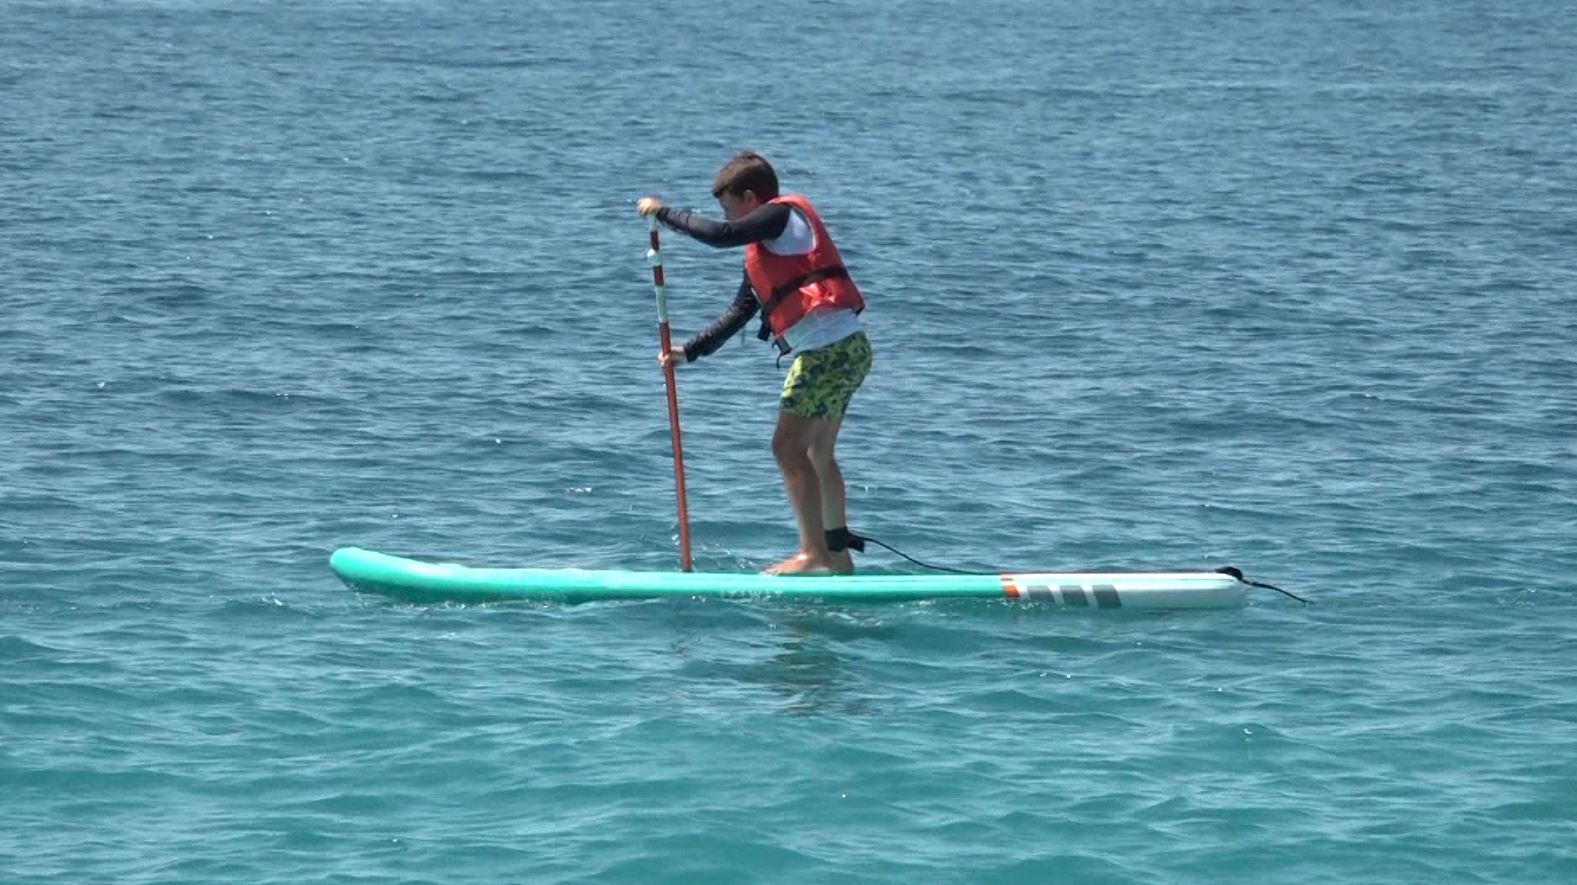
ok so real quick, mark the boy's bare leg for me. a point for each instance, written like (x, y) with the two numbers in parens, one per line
(791, 445)
(832, 488)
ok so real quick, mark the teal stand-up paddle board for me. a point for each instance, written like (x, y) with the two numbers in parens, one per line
(417, 581)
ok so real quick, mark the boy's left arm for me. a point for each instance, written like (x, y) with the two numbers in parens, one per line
(738, 314)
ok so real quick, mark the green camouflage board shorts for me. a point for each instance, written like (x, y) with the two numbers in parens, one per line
(821, 382)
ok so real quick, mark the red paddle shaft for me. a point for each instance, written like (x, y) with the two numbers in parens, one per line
(656, 256)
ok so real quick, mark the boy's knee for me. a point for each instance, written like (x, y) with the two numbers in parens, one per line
(789, 447)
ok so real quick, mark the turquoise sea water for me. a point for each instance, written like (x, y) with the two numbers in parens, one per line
(1152, 284)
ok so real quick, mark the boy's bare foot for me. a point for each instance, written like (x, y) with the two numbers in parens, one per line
(803, 564)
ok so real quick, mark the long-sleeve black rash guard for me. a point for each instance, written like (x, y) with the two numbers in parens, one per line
(765, 223)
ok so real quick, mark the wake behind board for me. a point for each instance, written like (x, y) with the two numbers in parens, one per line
(413, 580)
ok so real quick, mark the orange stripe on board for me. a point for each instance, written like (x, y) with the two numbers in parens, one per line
(1010, 589)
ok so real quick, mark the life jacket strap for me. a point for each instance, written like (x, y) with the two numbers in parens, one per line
(787, 289)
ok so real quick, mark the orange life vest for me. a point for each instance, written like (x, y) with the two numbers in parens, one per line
(791, 286)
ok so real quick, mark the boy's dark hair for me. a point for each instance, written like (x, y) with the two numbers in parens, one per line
(748, 171)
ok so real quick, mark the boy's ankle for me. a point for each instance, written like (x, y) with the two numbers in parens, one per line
(841, 540)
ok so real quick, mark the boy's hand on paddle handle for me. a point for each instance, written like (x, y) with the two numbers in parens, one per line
(673, 356)
(648, 205)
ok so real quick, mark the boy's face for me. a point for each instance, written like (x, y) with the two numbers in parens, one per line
(737, 206)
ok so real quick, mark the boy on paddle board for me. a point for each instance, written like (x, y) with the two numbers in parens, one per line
(795, 278)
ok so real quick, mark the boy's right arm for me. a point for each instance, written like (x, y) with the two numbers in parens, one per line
(765, 223)
(733, 319)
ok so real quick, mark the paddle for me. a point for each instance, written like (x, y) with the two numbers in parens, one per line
(655, 254)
